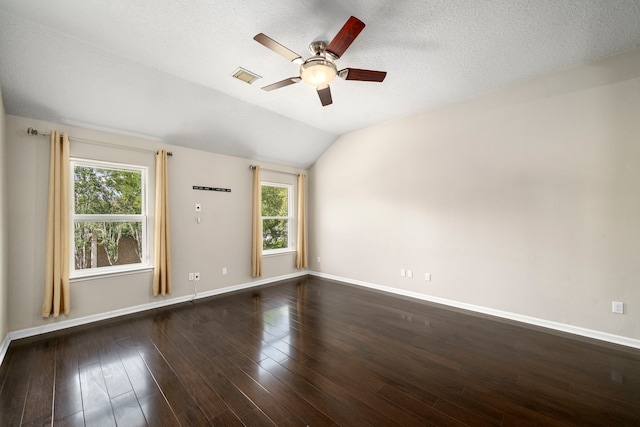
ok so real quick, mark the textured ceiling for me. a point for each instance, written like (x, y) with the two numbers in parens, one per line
(162, 68)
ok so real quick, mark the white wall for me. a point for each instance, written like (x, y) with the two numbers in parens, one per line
(4, 323)
(525, 200)
(222, 239)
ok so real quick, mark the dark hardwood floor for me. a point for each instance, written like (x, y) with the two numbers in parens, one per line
(317, 353)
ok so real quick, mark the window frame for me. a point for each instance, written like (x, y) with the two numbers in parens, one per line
(291, 218)
(143, 217)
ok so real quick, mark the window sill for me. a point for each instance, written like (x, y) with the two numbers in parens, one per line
(103, 274)
(279, 252)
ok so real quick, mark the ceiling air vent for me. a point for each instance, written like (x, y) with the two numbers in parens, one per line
(245, 75)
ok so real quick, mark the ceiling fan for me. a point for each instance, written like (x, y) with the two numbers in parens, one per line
(320, 69)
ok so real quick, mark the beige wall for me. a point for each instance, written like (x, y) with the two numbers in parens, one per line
(4, 323)
(525, 200)
(222, 239)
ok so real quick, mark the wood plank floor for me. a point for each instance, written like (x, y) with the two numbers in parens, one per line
(311, 352)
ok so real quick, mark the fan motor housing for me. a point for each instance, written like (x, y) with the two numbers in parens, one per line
(318, 48)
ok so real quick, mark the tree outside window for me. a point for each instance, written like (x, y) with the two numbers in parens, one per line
(277, 217)
(109, 216)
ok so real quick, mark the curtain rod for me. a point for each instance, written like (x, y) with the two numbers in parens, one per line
(35, 132)
(252, 167)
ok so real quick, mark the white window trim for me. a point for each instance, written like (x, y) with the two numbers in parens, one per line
(291, 218)
(144, 265)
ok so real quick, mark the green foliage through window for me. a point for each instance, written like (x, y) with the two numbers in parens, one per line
(108, 216)
(107, 191)
(275, 217)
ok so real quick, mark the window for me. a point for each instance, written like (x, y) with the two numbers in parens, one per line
(109, 214)
(277, 218)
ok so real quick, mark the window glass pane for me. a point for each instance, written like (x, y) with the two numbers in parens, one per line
(275, 234)
(103, 244)
(107, 191)
(275, 201)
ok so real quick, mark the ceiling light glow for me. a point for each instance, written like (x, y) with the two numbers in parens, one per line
(318, 72)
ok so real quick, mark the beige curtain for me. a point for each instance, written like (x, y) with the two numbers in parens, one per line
(301, 244)
(256, 234)
(56, 287)
(162, 270)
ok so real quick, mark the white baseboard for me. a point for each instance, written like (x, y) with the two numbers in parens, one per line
(4, 348)
(37, 330)
(588, 333)
(575, 330)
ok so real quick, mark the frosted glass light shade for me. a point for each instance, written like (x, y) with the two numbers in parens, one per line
(318, 73)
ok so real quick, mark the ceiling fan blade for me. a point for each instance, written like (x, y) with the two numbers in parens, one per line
(282, 83)
(278, 48)
(345, 37)
(362, 75)
(325, 95)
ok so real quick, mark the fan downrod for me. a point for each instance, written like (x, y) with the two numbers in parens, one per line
(318, 48)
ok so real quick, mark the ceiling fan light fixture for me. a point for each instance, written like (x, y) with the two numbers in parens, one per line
(320, 69)
(318, 72)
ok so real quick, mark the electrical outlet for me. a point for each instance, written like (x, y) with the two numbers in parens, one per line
(409, 274)
(403, 272)
(196, 276)
(617, 307)
(427, 277)
(224, 270)
(318, 259)
(190, 277)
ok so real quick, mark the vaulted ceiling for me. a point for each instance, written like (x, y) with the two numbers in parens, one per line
(162, 68)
